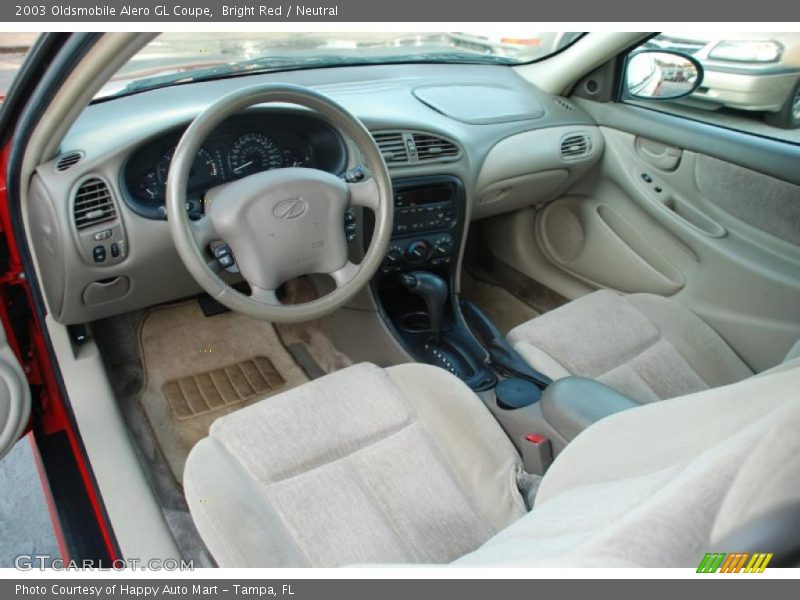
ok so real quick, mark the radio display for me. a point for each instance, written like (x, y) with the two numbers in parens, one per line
(421, 196)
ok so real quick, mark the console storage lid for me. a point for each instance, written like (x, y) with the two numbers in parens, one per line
(571, 404)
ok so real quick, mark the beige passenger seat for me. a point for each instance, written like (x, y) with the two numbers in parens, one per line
(645, 346)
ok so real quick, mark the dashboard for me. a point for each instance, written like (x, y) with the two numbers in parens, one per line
(96, 210)
(245, 144)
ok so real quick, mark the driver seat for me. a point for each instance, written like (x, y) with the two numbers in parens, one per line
(406, 465)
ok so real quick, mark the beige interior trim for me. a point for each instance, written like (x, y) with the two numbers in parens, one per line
(139, 524)
(106, 57)
(512, 239)
(559, 73)
(15, 397)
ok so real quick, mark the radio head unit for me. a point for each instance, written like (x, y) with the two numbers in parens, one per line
(424, 207)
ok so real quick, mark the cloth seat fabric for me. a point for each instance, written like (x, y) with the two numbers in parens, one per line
(406, 465)
(645, 346)
(662, 484)
(363, 465)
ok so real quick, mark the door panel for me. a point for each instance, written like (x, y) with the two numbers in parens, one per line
(661, 156)
(15, 398)
(583, 235)
(722, 238)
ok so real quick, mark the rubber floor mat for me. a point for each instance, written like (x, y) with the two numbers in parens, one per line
(200, 368)
(202, 393)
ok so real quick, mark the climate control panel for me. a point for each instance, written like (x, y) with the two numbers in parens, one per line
(431, 250)
(428, 223)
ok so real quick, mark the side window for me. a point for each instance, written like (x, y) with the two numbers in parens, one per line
(13, 48)
(749, 81)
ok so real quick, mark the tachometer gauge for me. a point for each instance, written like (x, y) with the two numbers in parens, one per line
(204, 172)
(252, 153)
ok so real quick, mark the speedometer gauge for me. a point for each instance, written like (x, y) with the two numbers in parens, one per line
(252, 153)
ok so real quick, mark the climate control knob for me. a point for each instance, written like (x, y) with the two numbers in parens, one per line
(394, 254)
(443, 245)
(418, 250)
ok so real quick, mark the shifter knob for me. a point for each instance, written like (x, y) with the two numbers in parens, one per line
(433, 290)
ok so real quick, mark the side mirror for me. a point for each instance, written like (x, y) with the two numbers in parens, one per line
(661, 75)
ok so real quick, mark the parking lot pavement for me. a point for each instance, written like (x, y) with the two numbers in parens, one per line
(25, 526)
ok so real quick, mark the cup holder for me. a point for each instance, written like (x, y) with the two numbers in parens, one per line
(514, 393)
(416, 322)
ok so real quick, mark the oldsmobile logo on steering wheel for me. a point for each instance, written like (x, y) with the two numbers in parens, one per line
(291, 208)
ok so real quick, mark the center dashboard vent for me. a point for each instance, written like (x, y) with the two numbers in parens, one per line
(576, 145)
(408, 148)
(393, 146)
(93, 204)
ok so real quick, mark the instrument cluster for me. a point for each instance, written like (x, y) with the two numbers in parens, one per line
(245, 145)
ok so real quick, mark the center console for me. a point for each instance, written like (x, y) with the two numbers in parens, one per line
(414, 285)
(414, 290)
(428, 223)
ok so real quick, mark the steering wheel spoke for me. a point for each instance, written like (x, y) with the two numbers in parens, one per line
(203, 232)
(344, 275)
(364, 193)
(264, 296)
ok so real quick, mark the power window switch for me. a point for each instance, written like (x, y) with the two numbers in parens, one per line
(114, 250)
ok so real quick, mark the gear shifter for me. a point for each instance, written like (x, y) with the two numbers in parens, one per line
(433, 290)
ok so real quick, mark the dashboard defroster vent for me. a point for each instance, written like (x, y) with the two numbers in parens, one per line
(576, 145)
(70, 159)
(564, 103)
(93, 204)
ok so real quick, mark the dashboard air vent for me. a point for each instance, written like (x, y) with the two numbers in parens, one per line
(93, 204)
(70, 159)
(431, 147)
(576, 146)
(393, 146)
(565, 104)
(407, 147)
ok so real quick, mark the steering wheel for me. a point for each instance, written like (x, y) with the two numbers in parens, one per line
(282, 223)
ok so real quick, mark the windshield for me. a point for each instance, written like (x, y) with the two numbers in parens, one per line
(181, 57)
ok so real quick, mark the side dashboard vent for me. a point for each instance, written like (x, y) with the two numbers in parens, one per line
(393, 146)
(93, 204)
(431, 147)
(70, 159)
(564, 103)
(576, 145)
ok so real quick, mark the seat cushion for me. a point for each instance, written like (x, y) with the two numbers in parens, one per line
(644, 346)
(363, 465)
(660, 485)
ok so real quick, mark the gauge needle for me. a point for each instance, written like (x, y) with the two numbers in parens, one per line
(240, 167)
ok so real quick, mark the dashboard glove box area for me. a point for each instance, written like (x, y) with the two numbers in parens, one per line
(571, 404)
